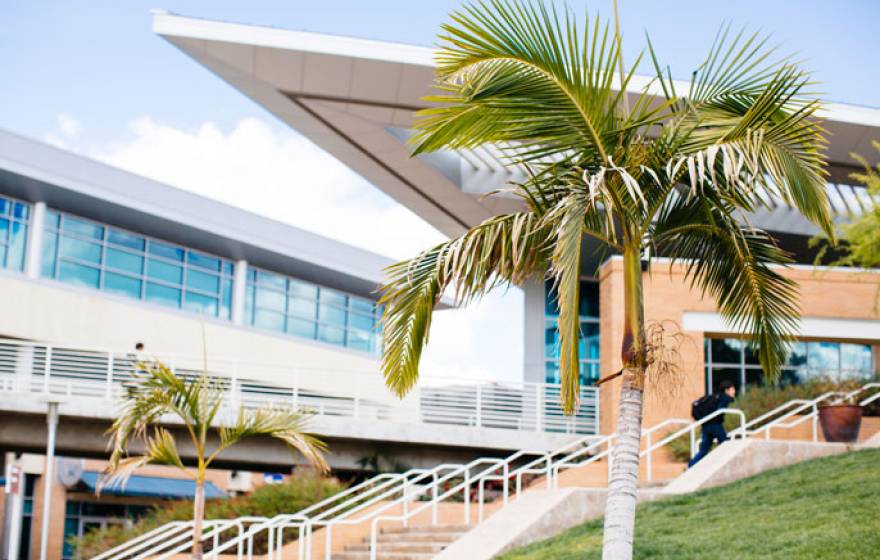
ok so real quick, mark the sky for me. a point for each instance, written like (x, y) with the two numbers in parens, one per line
(91, 77)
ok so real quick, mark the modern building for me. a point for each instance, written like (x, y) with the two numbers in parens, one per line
(357, 98)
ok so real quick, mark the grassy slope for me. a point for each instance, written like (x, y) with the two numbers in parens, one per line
(826, 508)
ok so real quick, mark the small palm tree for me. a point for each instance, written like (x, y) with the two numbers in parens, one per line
(652, 174)
(157, 392)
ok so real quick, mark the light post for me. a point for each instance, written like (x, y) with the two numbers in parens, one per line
(52, 424)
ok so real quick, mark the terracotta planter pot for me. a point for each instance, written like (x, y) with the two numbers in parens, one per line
(841, 422)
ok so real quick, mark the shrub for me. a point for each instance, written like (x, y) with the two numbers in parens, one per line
(758, 400)
(300, 491)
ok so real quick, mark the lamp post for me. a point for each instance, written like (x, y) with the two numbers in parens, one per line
(52, 424)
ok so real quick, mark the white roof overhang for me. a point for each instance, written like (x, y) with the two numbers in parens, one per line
(356, 99)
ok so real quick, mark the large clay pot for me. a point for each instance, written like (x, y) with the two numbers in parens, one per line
(841, 422)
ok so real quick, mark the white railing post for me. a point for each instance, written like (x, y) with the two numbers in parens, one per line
(479, 418)
(47, 368)
(815, 422)
(406, 502)
(467, 497)
(434, 491)
(539, 406)
(109, 392)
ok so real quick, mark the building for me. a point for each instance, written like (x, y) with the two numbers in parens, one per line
(356, 99)
(94, 259)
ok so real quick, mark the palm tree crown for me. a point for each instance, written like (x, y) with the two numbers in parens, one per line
(656, 172)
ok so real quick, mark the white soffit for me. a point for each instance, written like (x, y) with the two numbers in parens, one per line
(345, 94)
(811, 327)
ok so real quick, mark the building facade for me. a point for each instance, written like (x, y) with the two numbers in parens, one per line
(357, 98)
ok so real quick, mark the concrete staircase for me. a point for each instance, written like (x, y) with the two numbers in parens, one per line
(406, 543)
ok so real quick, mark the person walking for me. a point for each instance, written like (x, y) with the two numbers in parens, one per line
(713, 430)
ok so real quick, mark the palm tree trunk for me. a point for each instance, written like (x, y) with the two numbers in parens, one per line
(198, 518)
(620, 508)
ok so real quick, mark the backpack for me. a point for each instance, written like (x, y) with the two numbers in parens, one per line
(704, 406)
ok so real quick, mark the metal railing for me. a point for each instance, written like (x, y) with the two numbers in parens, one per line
(30, 367)
(401, 497)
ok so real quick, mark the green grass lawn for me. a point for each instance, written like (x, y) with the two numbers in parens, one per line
(826, 508)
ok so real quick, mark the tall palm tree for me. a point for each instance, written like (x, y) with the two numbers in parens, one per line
(655, 174)
(157, 392)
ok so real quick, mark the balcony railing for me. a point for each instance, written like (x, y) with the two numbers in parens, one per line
(36, 368)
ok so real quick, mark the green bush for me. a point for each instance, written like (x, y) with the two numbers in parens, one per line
(302, 490)
(758, 400)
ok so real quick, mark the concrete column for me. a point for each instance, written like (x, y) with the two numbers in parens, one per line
(34, 256)
(534, 367)
(239, 291)
(48, 480)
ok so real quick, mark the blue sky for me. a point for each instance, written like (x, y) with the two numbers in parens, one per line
(90, 76)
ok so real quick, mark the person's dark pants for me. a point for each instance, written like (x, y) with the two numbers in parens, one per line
(711, 433)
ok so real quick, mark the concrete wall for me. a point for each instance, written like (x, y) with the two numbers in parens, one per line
(834, 293)
(534, 364)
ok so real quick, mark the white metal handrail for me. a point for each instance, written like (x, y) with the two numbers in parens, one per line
(30, 367)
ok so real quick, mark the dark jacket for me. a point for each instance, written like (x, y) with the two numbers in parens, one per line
(723, 401)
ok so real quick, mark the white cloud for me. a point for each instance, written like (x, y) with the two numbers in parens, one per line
(68, 128)
(280, 174)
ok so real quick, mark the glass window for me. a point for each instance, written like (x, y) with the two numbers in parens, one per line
(79, 274)
(588, 345)
(331, 297)
(202, 260)
(161, 270)
(734, 375)
(856, 358)
(78, 249)
(163, 294)
(270, 299)
(726, 351)
(18, 241)
(125, 261)
(166, 250)
(201, 303)
(50, 253)
(122, 285)
(125, 239)
(358, 321)
(82, 228)
(333, 335)
(301, 327)
(303, 290)
(269, 319)
(270, 279)
(204, 281)
(331, 314)
(305, 308)
(823, 357)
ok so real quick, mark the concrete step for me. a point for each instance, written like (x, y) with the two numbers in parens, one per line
(399, 546)
(420, 537)
(383, 556)
(426, 529)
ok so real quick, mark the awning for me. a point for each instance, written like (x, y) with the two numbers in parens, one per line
(151, 487)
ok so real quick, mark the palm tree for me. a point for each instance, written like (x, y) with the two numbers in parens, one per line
(157, 392)
(656, 173)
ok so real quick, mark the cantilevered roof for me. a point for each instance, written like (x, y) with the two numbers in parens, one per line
(35, 171)
(356, 99)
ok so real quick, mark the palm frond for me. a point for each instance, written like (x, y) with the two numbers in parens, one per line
(504, 250)
(286, 425)
(161, 449)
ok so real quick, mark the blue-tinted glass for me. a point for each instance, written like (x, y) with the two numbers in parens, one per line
(797, 356)
(53, 219)
(123, 285)
(71, 529)
(589, 341)
(122, 260)
(252, 275)
(726, 350)
(83, 228)
(20, 211)
(823, 357)
(856, 358)
(78, 274)
(333, 297)
(15, 258)
(269, 320)
(359, 340)
(304, 308)
(5, 206)
(550, 304)
(270, 299)
(268, 279)
(754, 377)
(4, 230)
(303, 289)
(301, 327)
(750, 356)
(589, 299)
(3, 251)
(125, 239)
(202, 281)
(79, 249)
(228, 268)
(50, 250)
(551, 374)
(203, 304)
(364, 306)
(226, 299)
(161, 270)
(333, 335)
(249, 303)
(551, 339)
(331, 315)
(166, 250)
(163, 294)
(358, 321)
(202, 260)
